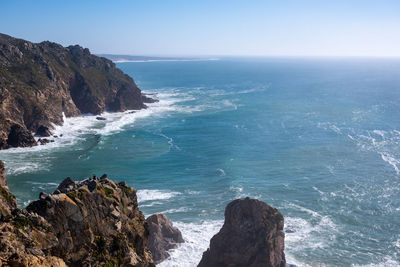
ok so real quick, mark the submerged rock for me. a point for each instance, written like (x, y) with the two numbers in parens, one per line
(44, 141)
(163, 236)
(101, 118)
(252, 236)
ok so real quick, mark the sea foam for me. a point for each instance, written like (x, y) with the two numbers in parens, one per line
(197, 239)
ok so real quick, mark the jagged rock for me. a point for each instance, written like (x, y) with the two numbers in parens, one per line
(75, 226)
(97, 222)
(252, 236)
(39, 82)
(8, 203)
(43, 131)
(66, 185)
(20, 137)
(24, 238)
(163, 236)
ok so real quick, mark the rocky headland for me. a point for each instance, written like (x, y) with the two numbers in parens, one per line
(41, 81)
(96, 222)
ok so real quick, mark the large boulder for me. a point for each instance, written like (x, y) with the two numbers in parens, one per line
(252, 236)
(163, 236)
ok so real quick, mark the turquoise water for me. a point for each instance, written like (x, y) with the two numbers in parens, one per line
(317, 138)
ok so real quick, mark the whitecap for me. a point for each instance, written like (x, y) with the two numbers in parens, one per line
(178, 210)
(221, 172)
(148, 194)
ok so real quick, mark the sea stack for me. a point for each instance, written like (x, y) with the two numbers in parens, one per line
(252, 236)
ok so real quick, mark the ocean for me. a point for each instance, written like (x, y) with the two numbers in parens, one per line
(317, 138)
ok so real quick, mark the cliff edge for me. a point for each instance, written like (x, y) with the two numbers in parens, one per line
(95, 222)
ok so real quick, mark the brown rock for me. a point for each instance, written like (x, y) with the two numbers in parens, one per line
(74, 226)
(39, 82)
(163, 236)
(3, 180)
(252, 236)
(24, 238)
(8, 203)
(97, 222)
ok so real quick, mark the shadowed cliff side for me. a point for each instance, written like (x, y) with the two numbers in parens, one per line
(252, 236)
(38, 82)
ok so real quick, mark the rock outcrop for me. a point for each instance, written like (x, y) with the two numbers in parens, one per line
(163, 236)
(95, 222)
(8, 203)
(39, 82)
(252, 236)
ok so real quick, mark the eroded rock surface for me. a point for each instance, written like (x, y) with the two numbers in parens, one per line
(95, 222)
(252, 236)
(163, 236)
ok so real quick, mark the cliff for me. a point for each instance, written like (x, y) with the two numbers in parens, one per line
(252, 236)
(40, 81)
(96, 222)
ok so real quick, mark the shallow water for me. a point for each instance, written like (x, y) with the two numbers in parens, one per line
(317, 138)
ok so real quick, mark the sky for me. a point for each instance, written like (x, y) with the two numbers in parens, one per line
(211, 27)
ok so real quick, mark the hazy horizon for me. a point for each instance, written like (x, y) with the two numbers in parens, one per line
(224, 28)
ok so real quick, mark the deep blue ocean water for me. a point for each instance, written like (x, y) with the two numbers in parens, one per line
(319, 139)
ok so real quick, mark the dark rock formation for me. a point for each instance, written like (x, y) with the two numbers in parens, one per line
(163, 236)
(101, 118)
(43, 131)
(252, 236)
(19, 136)
(38, 82)
(91, 223)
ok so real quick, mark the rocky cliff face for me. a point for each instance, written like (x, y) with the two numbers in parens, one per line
(252, 236)
(38, 82)
(91, 223)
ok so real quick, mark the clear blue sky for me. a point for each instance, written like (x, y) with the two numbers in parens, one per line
(211, 27)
